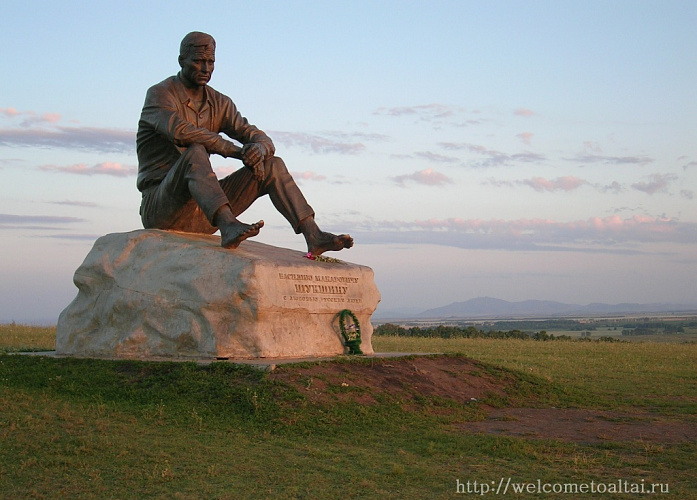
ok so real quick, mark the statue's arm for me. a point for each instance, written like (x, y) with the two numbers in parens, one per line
(237, 127)
(161, 114)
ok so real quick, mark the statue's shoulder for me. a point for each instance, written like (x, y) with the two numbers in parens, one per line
(219, 98)
(214, 93)
(168, 83)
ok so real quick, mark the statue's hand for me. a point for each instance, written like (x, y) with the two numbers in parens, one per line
(252, 154)
(258, 170)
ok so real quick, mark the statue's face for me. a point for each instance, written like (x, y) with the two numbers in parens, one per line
(197, 66)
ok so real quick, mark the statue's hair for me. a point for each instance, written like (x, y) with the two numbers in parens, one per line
(195, 39)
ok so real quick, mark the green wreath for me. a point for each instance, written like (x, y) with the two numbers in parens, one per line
(351, 333)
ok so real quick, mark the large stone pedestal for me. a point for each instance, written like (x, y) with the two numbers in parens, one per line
(152, 293)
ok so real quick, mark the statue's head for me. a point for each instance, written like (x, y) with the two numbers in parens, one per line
(196, 59)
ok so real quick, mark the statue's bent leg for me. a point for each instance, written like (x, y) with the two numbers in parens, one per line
(242, 189)
(187, 198)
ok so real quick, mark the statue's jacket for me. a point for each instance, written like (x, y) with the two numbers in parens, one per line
(169, 123)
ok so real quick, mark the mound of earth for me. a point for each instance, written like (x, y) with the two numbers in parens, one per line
(369, 380)
(466, 381)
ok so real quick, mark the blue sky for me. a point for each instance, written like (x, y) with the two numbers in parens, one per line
(512, 149)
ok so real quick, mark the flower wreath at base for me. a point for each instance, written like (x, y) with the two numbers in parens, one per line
(350, 332)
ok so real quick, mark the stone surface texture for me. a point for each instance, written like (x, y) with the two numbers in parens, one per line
(152, 293)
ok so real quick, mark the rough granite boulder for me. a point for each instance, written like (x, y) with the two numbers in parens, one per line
(151, 293)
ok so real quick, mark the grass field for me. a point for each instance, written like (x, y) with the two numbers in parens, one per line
(125, 429)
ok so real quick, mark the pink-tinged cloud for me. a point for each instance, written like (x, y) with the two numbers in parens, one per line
(308, 176)
(658, 183)
(105, 168)
(50, 117)
(568, 183)
(524, 112)
(29, 117)
(227, 170)
(428, 177)
(9, 112)
(526, 137)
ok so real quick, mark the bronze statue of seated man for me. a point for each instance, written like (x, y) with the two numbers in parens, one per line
(179, 128)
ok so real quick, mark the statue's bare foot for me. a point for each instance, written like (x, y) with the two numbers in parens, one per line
(322, 242)
(233, 234)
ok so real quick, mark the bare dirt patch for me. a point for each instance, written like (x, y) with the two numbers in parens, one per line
(449, 377)
(465, 381)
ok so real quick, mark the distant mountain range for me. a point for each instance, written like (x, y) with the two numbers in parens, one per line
(487, 307)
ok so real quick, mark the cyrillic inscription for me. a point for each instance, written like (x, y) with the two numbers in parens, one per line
(319, 288)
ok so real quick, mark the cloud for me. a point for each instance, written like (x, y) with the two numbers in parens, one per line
(613, 160)
(102, 140)
(567, 183)
(72, 203)
(308, 176)
(591, 146)
(493, 158)
(73, 237)
(436, 114)
(428, 177)
(30, 118)
(9, 112)
(689, 165)
(658, 184)
(104, 168)
(609, 234)
(687, 194)
(35, 222)
(435, 157)
(524, 112)
(365, 136)
(6, 162)
(424, 111)
(428, 156)
(224, 171)
(614, 187)
(540, 184)
(319, 144)
(526, 137)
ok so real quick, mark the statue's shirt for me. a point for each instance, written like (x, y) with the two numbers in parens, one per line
(170, 122)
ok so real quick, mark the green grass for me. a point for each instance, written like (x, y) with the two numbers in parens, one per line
(125, 429)
(637, 374)
(15, 338)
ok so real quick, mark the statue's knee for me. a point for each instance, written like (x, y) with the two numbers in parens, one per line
(275, 166)
(197, 153)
